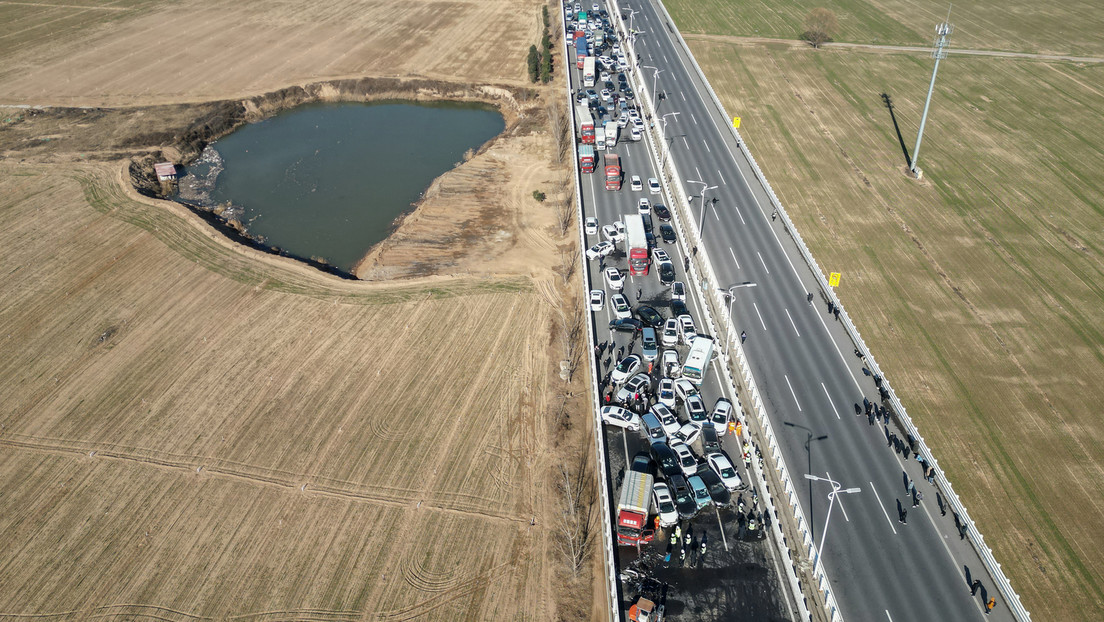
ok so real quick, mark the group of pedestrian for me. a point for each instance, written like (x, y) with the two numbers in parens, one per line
(833, 309)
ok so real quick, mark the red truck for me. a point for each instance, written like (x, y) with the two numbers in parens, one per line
(586, 124)
(613, 171)
(632, 509)
(586, 158)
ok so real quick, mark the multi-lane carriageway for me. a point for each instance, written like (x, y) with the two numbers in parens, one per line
(801, 361)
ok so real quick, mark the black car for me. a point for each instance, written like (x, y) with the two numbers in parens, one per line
(642, 463)
(713, 483)
(662, 212)
(650, 237)
(667, 460)
(667, 232)
(629, 95)
(650, 317)
(626, 325)
(711, 443)
(678, 308)
(684, 498)
(647, 218)
(666, 273)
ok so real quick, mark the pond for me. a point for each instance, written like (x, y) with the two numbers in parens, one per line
(329, 180)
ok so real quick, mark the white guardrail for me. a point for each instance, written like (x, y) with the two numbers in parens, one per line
(599, 447)
(676, 190)
(977, 540)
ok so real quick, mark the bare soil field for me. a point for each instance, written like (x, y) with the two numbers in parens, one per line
(1065, 27)
(195, 429)
(979, 288)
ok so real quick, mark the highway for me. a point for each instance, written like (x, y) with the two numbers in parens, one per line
(879, 567)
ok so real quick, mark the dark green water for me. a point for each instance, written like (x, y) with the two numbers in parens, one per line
(329, 180)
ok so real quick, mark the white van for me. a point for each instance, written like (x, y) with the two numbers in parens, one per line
(599, 137)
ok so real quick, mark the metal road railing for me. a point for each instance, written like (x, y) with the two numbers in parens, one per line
(984, 552)
(599, 446)
(671, 180)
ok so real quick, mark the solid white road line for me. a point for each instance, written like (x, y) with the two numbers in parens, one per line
(761, 322)
(723, 182)
(875, 491)
(714, 208)
(830, 400)
(792, 323)
(699, 173)
(762, 262)
(889, 617)
(731, 252)
(792, 391)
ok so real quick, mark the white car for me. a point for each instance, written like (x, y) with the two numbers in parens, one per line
(594, 7)
(638, 124)
(678, 291)
(616, 49)
(672, 367)
(687, 462)
(636, 134)
(695, 409)
(686, 323)
(644, 207)
(600, 249)
(591, 225)
(664, 505)
(721, 415)
(666, 417)
(665, 392)
(634, 183)
(625, 368)
(640, 383)
(684, 388)
(604, 77)
(621, 417)
(634, 114)
(724, 469)
(653, 185)
(658, 254)
(649, 347)
(623, 120)
(670, 335)
(620, 227)
(688, 433)
(612, 234)
(597, 299)
(620, 306)
(606, 96)
(605, 61)
(616, 282)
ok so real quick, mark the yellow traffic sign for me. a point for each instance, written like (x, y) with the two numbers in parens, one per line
(736, 122)
(833, 279)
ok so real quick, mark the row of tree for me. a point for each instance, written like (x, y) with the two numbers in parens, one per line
(540, 63)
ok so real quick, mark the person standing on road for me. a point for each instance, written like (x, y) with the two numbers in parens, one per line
(639, 293)
(687, 264)
(836, 312)
(810, 297)
(974, 586)
(989, 605)
(743, 336)
(774, 215)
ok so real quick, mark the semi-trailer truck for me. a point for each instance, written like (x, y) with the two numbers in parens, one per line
(586, 158)
(586, 124)
(636, 244)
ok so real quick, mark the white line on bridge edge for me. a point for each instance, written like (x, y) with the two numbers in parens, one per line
(733, 253)
(761, 322)
(707, 147)
(723, 182)
(792, 322)
(875, 491)
(762, 262)
(888, 616)
(830, 400)
(791, 390)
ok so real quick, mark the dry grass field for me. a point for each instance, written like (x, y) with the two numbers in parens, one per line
(1066, 27)
(978, 289)
(193, 430)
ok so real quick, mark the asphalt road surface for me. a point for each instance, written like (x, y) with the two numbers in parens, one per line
(879, 567)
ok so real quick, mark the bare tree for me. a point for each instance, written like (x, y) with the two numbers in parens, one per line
(571, 327)
(577, 521)
(561, 131)
(565, 212)
(569, 260)
(820, 26)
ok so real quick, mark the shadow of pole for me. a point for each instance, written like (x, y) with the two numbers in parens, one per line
(897, 128)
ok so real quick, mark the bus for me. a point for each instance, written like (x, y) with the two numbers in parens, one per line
(697, 360)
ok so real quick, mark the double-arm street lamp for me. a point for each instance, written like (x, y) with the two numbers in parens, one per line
(731, 301)
(836, 489)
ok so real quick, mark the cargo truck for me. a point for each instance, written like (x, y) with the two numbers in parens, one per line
(586, 124)
(588, 71)
(613, 171)
(632, 509)
(611, 134)
(636, 244)
(599, 137)
(586, 158)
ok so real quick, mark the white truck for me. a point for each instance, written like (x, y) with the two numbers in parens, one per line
(599, 137)
(588, 71)
(611, 134)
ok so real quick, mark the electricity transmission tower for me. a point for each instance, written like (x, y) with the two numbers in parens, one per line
(942, 31)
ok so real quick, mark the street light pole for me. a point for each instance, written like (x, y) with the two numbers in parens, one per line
(836, 489)
(731, 301)
(701, 219)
